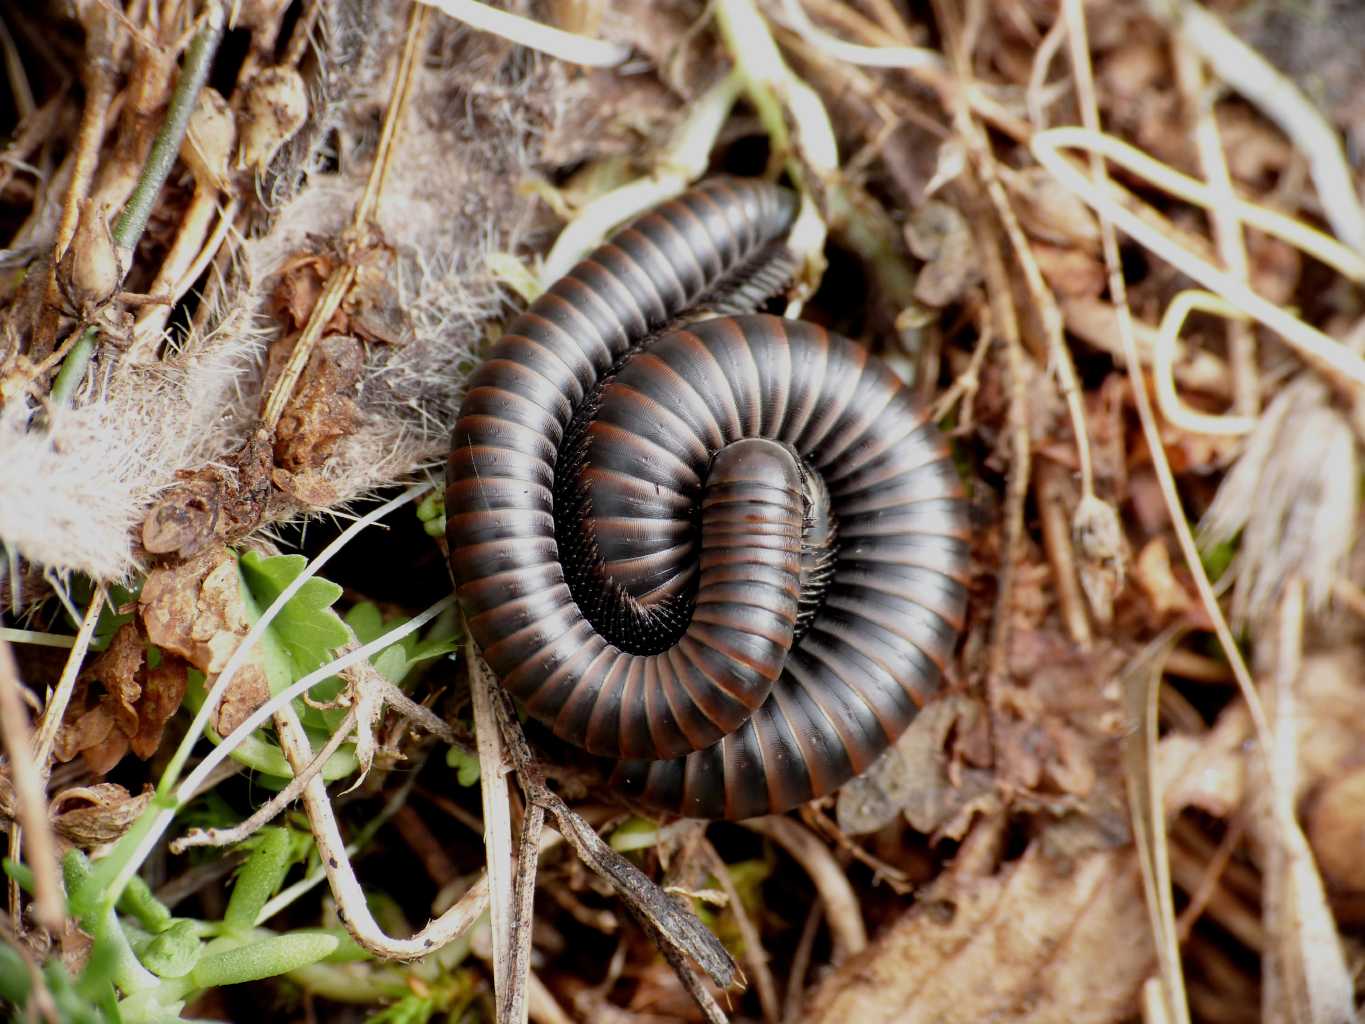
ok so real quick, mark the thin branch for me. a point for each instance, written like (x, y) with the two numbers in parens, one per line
(66, 684)
(755, 956)
(275, 806)
(49, 906)
(841, 904)
(352, 901)
(677, 931)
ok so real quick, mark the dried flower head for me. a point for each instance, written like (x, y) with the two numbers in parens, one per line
(1293, 495)
(93, 266)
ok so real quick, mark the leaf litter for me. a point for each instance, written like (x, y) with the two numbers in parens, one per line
(992, 852)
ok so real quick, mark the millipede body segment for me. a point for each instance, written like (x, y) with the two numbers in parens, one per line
(731, 555)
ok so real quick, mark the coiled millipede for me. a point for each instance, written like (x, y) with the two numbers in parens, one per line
(733, 556)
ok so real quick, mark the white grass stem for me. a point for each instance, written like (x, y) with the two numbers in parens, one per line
(1176, 412)
(1311, 344)
(907, 57)
(1284, 103)
(164, 815)
(555, 42)
(682, 162)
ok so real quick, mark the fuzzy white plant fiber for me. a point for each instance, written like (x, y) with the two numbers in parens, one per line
(73, 497)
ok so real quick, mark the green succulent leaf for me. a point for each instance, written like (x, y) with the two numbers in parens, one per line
(466, 766)
(173, 952)
(271, 853)
(267, 958)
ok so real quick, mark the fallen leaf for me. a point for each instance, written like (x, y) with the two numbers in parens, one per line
(938, 234)
(162, 693)
(120, 703)
(1051, 212)
(196, 610)
(1152, 572)
(1042, 940)
(322, 409)
(912, 777)
(1070, 272)
(308, 487)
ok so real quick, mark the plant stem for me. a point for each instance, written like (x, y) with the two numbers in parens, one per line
(165, 148)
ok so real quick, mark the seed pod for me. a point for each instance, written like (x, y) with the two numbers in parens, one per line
(274, 107)
(207, 149)
(93, 266)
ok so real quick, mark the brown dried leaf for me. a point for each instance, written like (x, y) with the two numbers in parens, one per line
(309, 488)
(913, 777)
(161, 697)
(1152, 572)
(374, 309)
(1069, 271)
(1336, 831)
(103, 744)
(184, 518)
(938, 234)
(224, 502)
(1053, 213)
(298, 289)
(196, 610)
(100, 732)
(1042, 940)
(322, 409)
(91, 816)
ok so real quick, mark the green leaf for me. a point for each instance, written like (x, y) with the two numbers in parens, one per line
(109, 622)
(21, 873)
(271, 850)
(306, 630)
(366, 620)
(302, 637)
(138, 900)
(14, 977)
(265, 757)
(174, 952)
(267, 958)
(397, 660)
(635, 834)
(466, 766)
(431, 512)
(1217, 557)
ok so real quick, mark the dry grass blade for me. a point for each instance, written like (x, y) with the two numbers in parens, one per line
(1255, 78)
(509, 984)
(273, 807)
(1306, 978)
(547, 39)
(49, 903)
(1147, 809)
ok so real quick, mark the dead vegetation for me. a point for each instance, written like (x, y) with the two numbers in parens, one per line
(253, 249)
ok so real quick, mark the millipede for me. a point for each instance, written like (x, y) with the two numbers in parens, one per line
(728, 553)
